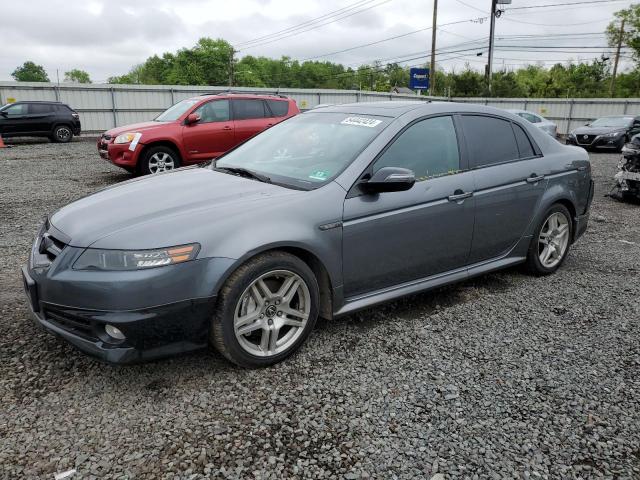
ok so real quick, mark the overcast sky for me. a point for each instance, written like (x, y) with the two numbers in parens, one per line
(107, 37)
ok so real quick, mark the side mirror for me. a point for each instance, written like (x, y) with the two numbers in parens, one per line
(4, 114)
(636, 123)
(588, 124)
(192, 118)
(390, 179)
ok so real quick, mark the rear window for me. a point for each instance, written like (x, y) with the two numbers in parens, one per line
(279, 108)
(244, 109)
(40, 108)
(491, 140)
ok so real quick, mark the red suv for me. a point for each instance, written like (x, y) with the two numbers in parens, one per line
(192, 131)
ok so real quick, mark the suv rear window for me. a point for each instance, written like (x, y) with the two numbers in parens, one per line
(244, 109)
(490, 140)
(279, 108)
(36, 108)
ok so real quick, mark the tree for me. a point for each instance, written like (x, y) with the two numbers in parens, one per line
(30, 72)
(631, 34)
(77, 76)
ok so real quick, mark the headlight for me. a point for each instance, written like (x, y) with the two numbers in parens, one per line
(125, 137)
(612, 134)
(96, 259)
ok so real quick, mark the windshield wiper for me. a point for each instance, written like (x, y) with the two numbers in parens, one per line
(245, 172)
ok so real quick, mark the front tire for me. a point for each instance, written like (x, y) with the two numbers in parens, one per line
(551, 241)
(62, 134)
(266, 310)
(158, 160)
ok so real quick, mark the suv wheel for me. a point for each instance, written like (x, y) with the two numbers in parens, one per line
(551, 241)
(266, 310)
(62, 134)
(159, 159)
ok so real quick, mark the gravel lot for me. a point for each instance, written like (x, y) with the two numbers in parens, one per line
(505, 376)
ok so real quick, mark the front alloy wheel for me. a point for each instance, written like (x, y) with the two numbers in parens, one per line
(266, 310)
(161, 162)
(272, 313)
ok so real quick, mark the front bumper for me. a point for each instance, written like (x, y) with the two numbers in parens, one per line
(161, 311)
(611, 143)
(119, 154)
(150, 333)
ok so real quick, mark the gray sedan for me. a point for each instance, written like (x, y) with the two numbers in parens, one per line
(329, 212)
(539, 121)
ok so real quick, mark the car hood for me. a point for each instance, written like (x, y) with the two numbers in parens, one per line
(597, 130)
(135, 127)
(166, 209)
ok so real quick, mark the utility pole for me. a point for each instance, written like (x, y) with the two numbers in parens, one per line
(231, 60)
(615, 63)
(432, 72)
(491, 41)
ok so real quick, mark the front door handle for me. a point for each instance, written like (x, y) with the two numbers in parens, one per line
(226, 127)
(533, 178)
(459, 195)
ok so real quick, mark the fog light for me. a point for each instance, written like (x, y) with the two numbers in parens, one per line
(114, 332)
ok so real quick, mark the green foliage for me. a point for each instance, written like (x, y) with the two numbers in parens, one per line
(30, 72)
(77, 76)
(631, 33)
(211, 62)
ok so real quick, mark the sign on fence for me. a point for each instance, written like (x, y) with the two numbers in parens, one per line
(419, 78)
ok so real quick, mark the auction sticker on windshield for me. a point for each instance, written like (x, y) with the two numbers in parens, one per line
(319, 175)
(361, 122)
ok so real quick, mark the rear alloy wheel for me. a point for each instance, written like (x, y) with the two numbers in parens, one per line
(62, 134)
(159, 160)
(551, 242)
(267, 309)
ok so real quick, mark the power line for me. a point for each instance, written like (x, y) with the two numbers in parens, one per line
(588, 2)
(306, 23)
(313, 27)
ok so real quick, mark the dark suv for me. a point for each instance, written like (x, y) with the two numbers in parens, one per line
(55, 120)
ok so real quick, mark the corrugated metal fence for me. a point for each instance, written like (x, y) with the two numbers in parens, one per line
(105, 106)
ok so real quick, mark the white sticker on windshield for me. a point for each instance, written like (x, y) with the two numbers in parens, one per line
(134, 142)
(361, 122)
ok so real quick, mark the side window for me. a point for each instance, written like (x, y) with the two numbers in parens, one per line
(18, 109)
(524, 144)
(40, 108)
(279, 108)
(244, 109)
(429, 148)
(214, 111)
(490, 140)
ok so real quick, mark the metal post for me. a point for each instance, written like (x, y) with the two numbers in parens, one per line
(173, 100)
(570, 118)
(432, 72)
(113, 107)
(491, 41)
(626, 107)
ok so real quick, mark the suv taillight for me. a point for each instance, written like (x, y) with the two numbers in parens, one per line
(75, 115)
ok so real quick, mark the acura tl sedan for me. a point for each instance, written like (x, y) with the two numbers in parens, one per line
(326, 213)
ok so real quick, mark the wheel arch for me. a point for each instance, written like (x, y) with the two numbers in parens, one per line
(558, 196)
(325, 284)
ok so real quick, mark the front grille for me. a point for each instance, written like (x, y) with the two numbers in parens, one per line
(70, 322)
(51, 247)
(585, 139)
(106, 137)
(48, 246)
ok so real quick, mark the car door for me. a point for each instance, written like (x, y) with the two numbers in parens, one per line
(212, 135)
(250, 117)
(396, 237)
(41, 117)
(14, 119)
(509, 176)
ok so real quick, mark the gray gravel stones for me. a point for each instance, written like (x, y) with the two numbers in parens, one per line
(504, 376)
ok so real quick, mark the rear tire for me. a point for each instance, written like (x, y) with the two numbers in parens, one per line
(62, 134)
(158, 159)
(551, 241)
(257, 327)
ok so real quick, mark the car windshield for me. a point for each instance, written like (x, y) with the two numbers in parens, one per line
(308, 150)
(171, 114)
(612, 122)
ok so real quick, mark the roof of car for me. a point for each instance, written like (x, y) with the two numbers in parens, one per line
(272, 96)
(396, 109)
(40, 101)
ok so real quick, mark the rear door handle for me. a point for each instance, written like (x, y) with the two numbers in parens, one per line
(533, 178)
(226, 127)
(459, 195)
